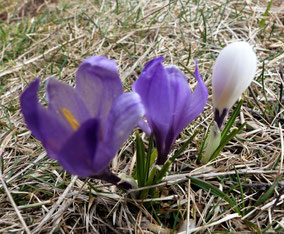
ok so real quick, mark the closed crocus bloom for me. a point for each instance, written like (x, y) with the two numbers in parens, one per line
(169, 103)
(233, 72)
(83, 127)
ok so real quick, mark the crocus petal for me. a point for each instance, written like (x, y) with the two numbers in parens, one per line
(144, 126)
(180, 98)
(125, 113)
(76, 155)
(44, 124)
(170, 105)
(98, 82)
(154, 88)
(67, 103)
(198, 99)
(233, 72)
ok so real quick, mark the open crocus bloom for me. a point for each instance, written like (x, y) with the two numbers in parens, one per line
(169, 103)
(233, 72)
(83, 127)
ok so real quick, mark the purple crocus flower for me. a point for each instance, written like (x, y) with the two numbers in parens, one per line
(83, 127)
(170, 105)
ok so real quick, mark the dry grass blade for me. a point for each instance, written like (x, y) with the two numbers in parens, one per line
(27, 230)
(56, 205)
(280, 170)
(226, 218)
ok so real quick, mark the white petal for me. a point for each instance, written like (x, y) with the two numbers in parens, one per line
(233, 72)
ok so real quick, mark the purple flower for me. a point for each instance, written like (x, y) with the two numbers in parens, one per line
(83, 127)
(170, 105)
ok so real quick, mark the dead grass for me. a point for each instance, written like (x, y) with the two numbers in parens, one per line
(36, 195)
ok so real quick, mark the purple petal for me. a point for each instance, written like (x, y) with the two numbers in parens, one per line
(77, 154)
(180, 94)
(125, 114)
(67, 103)
(154, 88)
(44, 124)
(98, 82)
(144, 126)
(170, 105)
(219, 117)
(187, 105)
(198, 99)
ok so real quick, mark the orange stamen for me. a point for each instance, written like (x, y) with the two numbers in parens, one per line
(70, 118)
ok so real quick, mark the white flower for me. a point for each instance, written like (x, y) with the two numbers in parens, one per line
(233, 72)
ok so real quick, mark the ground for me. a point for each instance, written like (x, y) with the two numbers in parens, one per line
(43, 38)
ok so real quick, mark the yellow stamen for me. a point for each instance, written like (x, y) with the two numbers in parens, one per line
(70, 118)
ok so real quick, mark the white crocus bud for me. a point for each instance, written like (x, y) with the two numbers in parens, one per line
(233, 72)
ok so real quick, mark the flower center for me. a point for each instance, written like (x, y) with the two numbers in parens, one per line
(70, 118)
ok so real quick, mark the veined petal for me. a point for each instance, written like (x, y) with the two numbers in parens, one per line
(198, 99)
(144, 126)
(125, 114)
(233, 71)
(180, 98)
(98, 82)
(77, 154)
(44, 124)
(169, 103)
(66, 103)
(153, 86)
